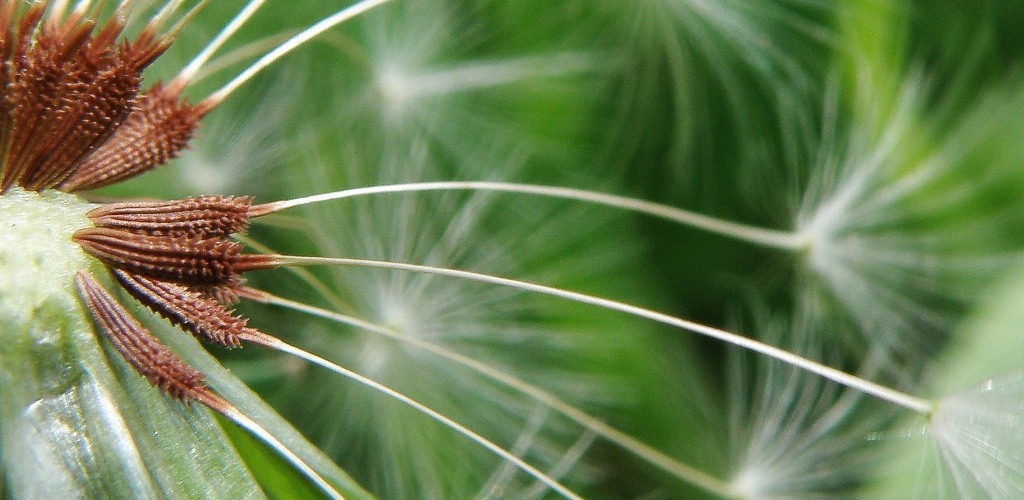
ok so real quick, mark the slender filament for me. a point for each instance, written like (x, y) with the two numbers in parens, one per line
(279, 345)
(291, 44)
(756, 235)
(902, 399)
(595, 425)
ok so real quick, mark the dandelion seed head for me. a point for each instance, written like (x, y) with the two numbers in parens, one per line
(970, 445)
(978, 440)
(398, 317)
(430, 72)
(977, 447)
(395, 89)
(375, 357)
(794, 435)
(875, 211)
(492, 325)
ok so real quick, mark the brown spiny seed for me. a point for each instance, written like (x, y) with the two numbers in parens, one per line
(202, 316)
(159, 129)
(207, 216)
(229, 293)
(73, 117)
(68, 88)
(145, 353)
(188, 260)
(98, 94)
(36, 83)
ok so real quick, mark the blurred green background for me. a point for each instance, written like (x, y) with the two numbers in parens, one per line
(886, 133)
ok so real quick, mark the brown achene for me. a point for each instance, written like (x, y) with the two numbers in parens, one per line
(141, 349)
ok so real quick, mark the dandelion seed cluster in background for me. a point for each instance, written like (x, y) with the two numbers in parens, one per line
(670, 248)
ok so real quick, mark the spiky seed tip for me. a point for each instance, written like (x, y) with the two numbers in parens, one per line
(244, 292)
(145, 353)
(225, 294)
(68, 89)
(204, 317)
(157, 131)
(208, 216)
(187, 260)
